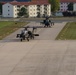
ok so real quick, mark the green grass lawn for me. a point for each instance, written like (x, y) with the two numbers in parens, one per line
(7, 27)
(68, 32)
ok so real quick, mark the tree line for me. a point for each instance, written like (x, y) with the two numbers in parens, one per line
(55, 5)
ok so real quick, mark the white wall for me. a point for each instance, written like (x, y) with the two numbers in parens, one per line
(42, 10)
(74, 7)
(15, 11)
(7, 9)
(49, 10)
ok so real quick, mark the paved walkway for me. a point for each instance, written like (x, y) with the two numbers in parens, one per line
(42, 56)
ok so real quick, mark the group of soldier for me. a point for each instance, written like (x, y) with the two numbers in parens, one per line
(47, 22)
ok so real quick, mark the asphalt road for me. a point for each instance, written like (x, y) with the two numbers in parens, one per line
(41, 56)
(56, 20)
(63, 19)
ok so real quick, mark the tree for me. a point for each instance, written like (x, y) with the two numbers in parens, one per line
(54, 5)
(22, 12)
(0, 8)
(70, 6)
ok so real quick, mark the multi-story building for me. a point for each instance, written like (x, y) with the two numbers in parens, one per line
(64, 4)
(34, 8)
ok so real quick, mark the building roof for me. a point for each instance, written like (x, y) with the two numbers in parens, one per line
(67, 1)
(33, 2)
(16, 0)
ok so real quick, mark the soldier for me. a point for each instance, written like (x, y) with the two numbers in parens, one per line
(47, 22)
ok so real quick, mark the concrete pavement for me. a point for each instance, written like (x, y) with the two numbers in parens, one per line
(42, 56)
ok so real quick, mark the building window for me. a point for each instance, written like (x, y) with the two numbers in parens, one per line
(8, 10)
(61, 6)
(30, 13)
(8, 14)
(61, 3)
(61, 9)
(18, 9)
(30, 9)
(8, 6)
